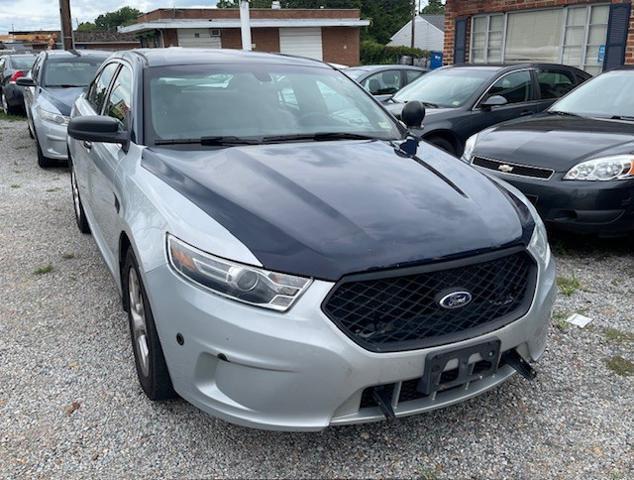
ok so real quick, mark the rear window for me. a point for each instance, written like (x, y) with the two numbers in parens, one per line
(22, 63)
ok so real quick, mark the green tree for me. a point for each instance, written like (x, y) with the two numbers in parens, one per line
(434, 7)
(111, 20)
(87, 27)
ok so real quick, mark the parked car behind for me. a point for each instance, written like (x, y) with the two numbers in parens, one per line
(575, 161)
(57, 78)
(286, 261)
(13, 67)
(384, 81)
(462, 100)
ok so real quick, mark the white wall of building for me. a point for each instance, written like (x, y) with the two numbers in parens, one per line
(428, 37)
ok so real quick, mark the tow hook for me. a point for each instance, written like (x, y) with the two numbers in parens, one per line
(383, 398)
(521, 366)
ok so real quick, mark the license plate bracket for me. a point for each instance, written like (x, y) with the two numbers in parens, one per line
(435, 364)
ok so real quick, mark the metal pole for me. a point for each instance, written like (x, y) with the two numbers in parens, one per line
(245, 25)
(414, 24)
(66, 24)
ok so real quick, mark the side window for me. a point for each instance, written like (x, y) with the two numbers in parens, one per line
(99, 87)
(383, 83)
(515, 87)
(120, 100)
(35, 69)
(412, 75)
(555, 83)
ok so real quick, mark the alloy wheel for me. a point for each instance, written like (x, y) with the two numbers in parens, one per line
(139, 324)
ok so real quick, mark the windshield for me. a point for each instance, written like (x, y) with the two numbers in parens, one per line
(257, 101)
(70, 72)
(22, 62)
(446, 88)
(608, 95)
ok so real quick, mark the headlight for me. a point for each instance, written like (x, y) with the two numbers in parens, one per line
(468, 148)
(54, 117)
(243, 283)
(617, 167)
(539, 241)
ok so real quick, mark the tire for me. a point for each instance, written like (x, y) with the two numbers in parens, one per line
(42, 161)
(78, 208)
(148, 354)
(442, 143)
(6, 108)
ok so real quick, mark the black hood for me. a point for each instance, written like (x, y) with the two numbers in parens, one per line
(555, 141)
(62, 98)
(328, 209)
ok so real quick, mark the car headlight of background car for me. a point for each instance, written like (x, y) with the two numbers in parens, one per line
(539, 241)
(53, 117)
(244, 283)
(469, 146)
(615, 167)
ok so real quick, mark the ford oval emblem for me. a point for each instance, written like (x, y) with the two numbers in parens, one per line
(455, 299)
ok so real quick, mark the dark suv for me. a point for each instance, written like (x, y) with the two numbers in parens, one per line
(462, 100)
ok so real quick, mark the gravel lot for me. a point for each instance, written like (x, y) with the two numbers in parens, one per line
(70, 405)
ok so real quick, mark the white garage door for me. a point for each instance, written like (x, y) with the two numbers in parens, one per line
(305, 42)
(199, 38)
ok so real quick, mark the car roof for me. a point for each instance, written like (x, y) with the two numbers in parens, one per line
(153, 57)
(509, 67)
(77, 53)
(372, 68)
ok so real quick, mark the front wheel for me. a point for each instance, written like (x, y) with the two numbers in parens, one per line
(148, 353)
(442, 143)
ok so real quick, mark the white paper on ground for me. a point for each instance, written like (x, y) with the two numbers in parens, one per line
(578, 320)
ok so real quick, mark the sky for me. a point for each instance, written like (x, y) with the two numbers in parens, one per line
(44, 14)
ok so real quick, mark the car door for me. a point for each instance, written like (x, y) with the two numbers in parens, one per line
(90, 103)
(518, 88)
(106, 158)
(29, 92)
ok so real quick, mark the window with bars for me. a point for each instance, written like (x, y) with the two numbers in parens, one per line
(571, 35)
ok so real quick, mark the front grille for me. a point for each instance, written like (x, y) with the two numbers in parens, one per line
(515, 169)
(399, 309)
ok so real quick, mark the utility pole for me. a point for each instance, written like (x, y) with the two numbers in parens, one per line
(245, 25)
(414, 12)
(66, 24)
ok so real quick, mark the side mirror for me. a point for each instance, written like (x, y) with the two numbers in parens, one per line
(97, 128)
(413, 114)
(25, 82)
(493, 101)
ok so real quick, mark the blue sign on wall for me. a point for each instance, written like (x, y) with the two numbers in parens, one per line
(601, 55)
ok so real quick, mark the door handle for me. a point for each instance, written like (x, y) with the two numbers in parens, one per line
(525, 113)
(87, 145)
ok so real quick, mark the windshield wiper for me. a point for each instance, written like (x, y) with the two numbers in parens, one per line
(318, 137)
(430, 105)
(64, 85)
(628, 118)
(213, 141)
(562, 113)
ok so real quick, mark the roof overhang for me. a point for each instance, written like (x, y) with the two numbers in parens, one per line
(235, 23)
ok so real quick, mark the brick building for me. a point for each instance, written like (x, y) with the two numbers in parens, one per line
(332, 35)
(592, 35)
(37, 40)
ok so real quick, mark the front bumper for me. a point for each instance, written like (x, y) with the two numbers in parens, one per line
(51, 137)
(604, 208)
(298, 371)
